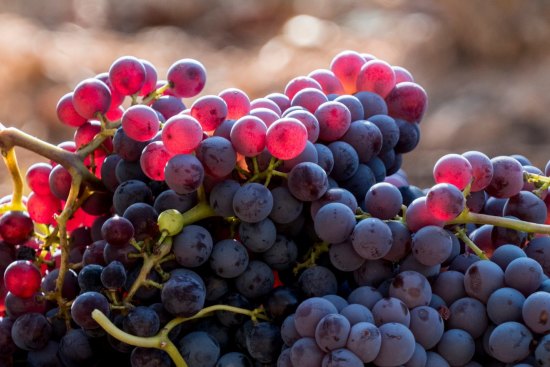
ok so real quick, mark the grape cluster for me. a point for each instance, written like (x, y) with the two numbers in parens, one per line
(277, 231)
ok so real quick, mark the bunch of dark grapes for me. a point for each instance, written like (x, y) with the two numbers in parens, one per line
(278, 231)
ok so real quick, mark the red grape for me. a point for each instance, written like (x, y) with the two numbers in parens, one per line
(66, 112)
(187, 78)
(334, 120)
(482, 169)
(42, 208)
(407, 101)
(346, 66)
(150, 83)
(37, 178)
(22, 278)
(238, 103)
(248, 136)
(328, 81)
(376, 76)
(127, 75)
(181, 134)
(453, 169)
(286, 138)
(90, 97)
(210, 111)
(140, 122)
(445, 201)
(402, 75)
(265, 103)
(309, 98)
(15, 227)
(299, 83)
(153, 159)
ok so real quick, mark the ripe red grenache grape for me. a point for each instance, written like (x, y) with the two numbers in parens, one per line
(265, 114)
(127, 75)
(140, 122)
(334, 120)
(453, 169)
(90, 97)
(407, 101)
(151, 76)
(376, 76)
(309, 98)
(181, 134)
(280, 100)
(402, 75)
(15, 227)
(42, 208)
(187, 78)
(248, 136)
(37, 178)
(265, 103)
(328, 81)
(445, 201)
(66, 113)
(299, 83)
(210, 111)
(286, 138)
(482, 170)
(153, 159)
(237, 101)
(22, 278)
(346, 66)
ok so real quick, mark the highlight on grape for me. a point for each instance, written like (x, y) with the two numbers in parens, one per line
(233, 231)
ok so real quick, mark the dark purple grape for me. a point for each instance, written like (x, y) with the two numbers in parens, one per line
(412, 288)
(149, 357)
(183, 294)
(229, 258)
(199, 349)
(84, 304)
(397, 345)
(113, 276)
(117, 231)
(263, 342)
(332, 332)
(510, 342)
(31, 331)
(318, 281)
(141, 321)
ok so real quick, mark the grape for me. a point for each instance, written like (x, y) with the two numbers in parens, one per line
(184, 173)
(449, 285)
(210, 111)
(337, 195)
(263, 342)
(412, 288)
(376, 76)
(456, 346)
(409, 136)
(510, 341)
(117, 231)
(37, 178)
(505, 304)
(346, 67)
(373, 272)
(192, 247)
(75, 349)
(289, 334)
(538, 249)
(141, 321)
(248, 136)
(229, 258)
(344, 257)
(265, 103)
(286, 138)
(445, 201)
(523, 274)
(280, 99)
(17, 306)
(252, 202)
(371, 238)
(391, 309)
(144, 220)
(328, 81)
(307, 181)
(340, 358)
(419, 357)
(44, 357)
(299, 83)
(435, 360)
(507, 179)
(149, 357)
(309, 98)
(360, 182)
(127, 75)
(407, 101)
(168, 106)
(183, 294)
(426, 325)
(383, 201)
(542, 351)
(70, 287)
(22, 278)
(84, 304)
(282, 361)
(154, 159)
(334, 120)
(15, 227)
(373, 105)
(140, 123)
(282, 254)
(281, 302)
(305, 352)
(397, 345)
(334, 222)
(526, 206)
(113, 276)
(309, 313)
(483, 278)
(325, 158)
(169, 199)
(418, 215)
(199, 349)
(309, 121)
(256, 281)
(181, 134)
(91, 96)
(234, 359)
(31, 331)
(66, 112)
(389, 132)
(318, 281)
(535, 311)
(187, 78)
(60, 182)
(431, 245)
(469, 315)
(482, 169)
(238, 103)
(453, 169)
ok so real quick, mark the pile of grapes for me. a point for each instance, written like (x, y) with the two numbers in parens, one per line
(278, 231)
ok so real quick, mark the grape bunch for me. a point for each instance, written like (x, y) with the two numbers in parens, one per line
(275, 231)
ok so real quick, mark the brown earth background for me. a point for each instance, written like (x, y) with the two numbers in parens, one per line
(485, 64)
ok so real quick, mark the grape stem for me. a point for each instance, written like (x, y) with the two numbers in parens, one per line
(17, 196)
(519, 225)
(461, 234)
(311, 258)
(161, 340)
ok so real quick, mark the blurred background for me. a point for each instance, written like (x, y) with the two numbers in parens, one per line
(485, 65)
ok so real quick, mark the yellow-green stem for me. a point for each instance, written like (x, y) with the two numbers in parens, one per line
(17, 181)
(153, 96)
(461, 234)
(518, 225)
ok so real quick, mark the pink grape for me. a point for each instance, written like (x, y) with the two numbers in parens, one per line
(37, 177)
(265, 114)
(43, 207)
(328, 81)
(286, 138)
(248, 136)
(346, 66)
(507, 178)
(210, 111)
(445, 202)
(187, 78)
(90, 97)
(419, 216)
(334, 120)
(280, 99)
(482, 169)
(116, 97)
(85, 133)
(127, 75)
(376, 76)
(299, 83)
(309, 98)
(265, 103)
(181, 134)
(237, 101)
(22, 278)
(453, 169)
(310, 122)
(153, 160)
(140, 122)
(407, 101)
(402, 75)
(66, 113)
(150, 82)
